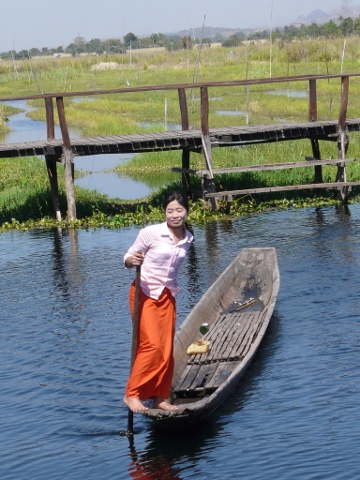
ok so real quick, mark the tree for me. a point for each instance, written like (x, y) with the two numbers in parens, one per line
(71, 49)
(290, 32)
(357, 25)
(79, 43)
(154, 38)
(186, 42)
(161, 39)
(313, 30)
(113, 45)
(95, 46)
(347, 26)
(130, 38)
(264, 34)
(330, 29)
(34, 52)
(22, 54)
(233, 41)
(207, 42)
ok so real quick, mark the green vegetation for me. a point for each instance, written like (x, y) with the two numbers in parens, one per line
(5, 112)
(25, 198)
(342, 27)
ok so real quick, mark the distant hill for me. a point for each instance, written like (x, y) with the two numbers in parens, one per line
(318, 16)
(215, 33)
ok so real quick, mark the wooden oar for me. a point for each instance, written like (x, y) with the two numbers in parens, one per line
(135, 331)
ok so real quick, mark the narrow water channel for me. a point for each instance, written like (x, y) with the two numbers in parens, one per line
(98, 167)
(98, 177)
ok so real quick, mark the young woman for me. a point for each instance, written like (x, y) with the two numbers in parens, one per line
(160, 250)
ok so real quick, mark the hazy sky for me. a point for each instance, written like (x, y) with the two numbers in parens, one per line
(51, 23)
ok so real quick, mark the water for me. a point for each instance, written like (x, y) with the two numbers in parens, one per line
(161, 126)
(232, 113)
(65, 343)
(24, 129)
(99, 178)
(290, 93)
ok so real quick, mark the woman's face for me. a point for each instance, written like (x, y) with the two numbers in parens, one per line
(175, 214)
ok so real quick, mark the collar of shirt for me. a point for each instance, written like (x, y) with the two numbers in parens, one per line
(165, 232)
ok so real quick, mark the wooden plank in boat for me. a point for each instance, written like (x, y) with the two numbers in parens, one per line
(239, 338)
(194, 377)
(221, 334)
(187, 378)
(229, 344)
(249, 339)
(205, 373)
(245, 338)
(226, 337)
(222, 373)
(215, 334)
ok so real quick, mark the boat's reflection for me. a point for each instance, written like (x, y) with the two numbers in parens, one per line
(170, 452)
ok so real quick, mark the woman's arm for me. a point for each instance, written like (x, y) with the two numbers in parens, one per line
(134, 260)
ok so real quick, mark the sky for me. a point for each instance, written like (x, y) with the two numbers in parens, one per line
(52, 23)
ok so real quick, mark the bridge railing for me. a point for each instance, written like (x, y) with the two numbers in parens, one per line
(203, 87)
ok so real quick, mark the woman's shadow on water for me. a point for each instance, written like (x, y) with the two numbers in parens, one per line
(168, 448)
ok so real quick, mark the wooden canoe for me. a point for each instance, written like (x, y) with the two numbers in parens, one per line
(237, 307)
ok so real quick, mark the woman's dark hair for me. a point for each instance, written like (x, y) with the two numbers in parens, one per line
(179, 197)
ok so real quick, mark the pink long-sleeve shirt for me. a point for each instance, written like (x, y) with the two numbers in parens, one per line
(163, 258)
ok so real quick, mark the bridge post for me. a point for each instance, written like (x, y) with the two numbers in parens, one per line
(68, 159)
(343, 139)
(208, 179)
(318, 177)
(185, 162)
(52, 159)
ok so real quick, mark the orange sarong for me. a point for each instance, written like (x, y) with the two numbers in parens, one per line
(153, 367)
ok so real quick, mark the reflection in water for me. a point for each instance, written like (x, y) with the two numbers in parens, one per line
(345, 247)
(193, 273)
(207, 245)
(214, 232)
(169, 454)
(164, 125)
(231, 113)
(154, 468)
(68, 278)
(290, 93)
(61, 380)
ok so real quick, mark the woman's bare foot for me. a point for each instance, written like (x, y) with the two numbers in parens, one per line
(164, 404)
(134, 404)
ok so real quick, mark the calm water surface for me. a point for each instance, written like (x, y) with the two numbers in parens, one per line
(65, 347)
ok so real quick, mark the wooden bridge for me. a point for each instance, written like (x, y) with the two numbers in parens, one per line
(201, 140)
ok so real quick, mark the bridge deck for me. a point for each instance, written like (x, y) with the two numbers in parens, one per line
(183, 139)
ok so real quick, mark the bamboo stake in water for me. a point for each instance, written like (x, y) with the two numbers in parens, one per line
(134, 343)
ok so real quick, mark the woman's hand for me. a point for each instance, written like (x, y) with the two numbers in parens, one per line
(135, 260)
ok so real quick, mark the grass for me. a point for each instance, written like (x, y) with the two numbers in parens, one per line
(24, 189)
